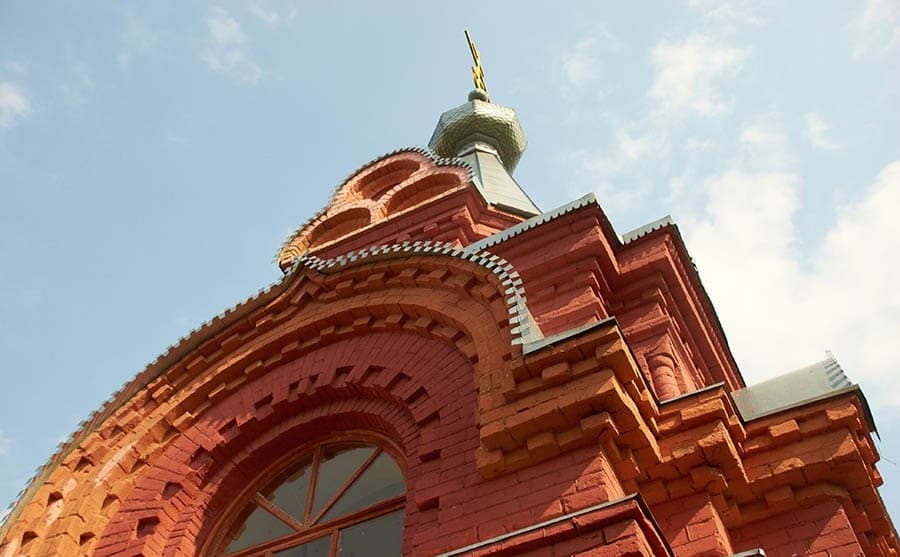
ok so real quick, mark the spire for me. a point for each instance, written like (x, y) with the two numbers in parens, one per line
(490, 138)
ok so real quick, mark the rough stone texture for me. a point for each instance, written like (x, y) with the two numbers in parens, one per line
(418, 350)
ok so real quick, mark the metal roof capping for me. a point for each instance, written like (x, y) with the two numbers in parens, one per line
(811, 383)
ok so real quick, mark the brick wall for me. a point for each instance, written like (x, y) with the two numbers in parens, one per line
(819, 531)
(422, 353)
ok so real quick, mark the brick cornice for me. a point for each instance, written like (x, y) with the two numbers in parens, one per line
(532, 399)
(577, 242)
(664, 254)
(588, 389)
(627, 528)
(471, 300)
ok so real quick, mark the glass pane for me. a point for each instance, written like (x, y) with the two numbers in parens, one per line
(315, 548)
(259, 527)
(381, 537)
(381, 480)
(338, 464)
(288, 490)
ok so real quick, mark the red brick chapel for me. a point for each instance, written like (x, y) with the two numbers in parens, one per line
(445, 369)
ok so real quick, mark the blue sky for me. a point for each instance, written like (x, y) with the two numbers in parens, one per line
(154, 156)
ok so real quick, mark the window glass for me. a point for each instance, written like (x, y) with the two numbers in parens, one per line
(358, 489)
(315, 548)
(290, 495)
(381, 480)
(381, 537)
(259, 527)
(338, 465)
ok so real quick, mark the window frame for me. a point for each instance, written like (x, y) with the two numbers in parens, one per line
(220, 539)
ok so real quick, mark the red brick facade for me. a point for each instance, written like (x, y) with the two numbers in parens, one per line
(592, 417)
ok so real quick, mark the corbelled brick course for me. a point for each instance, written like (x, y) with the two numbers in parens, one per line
(546, 391)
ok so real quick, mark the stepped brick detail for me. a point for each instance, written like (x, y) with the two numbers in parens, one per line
(546, 388)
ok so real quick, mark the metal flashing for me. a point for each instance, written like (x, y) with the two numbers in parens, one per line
(562, 518)
(495, 183)
(707, 388)
(542, 343)
(533, 222)
(852, 389)
(642, 231)
(524, 329)
(816, 381)
(807, 385)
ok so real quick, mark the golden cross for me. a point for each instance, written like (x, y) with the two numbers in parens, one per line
(477, 69)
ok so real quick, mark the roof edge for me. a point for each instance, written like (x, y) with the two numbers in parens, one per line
(663, 223)
(646, 229)
(522, 327)
(854, 389)
(667, 222)
(635, 497)
(533, 222)
(173, 353)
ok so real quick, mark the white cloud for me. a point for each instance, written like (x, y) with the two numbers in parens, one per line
(617, 171)
(765, 145)
(694, 145)
(688, 71)
(14, 105)
(137, 39)
(818, 132)
(878, 27)
(580, 64)
(226, 49)
(781, 312)
(629, 148)
(631, 145)
(262, 11)
(727, 11)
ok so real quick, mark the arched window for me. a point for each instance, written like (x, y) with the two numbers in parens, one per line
(342, 499)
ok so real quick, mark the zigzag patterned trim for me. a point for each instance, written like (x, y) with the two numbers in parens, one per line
(130, 387)
(523, 327)
(642, 231)
(543, 218)
(533, 222)
(424, 151)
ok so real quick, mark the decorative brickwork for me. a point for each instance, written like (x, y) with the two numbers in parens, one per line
(546, 387)
(386, 190)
